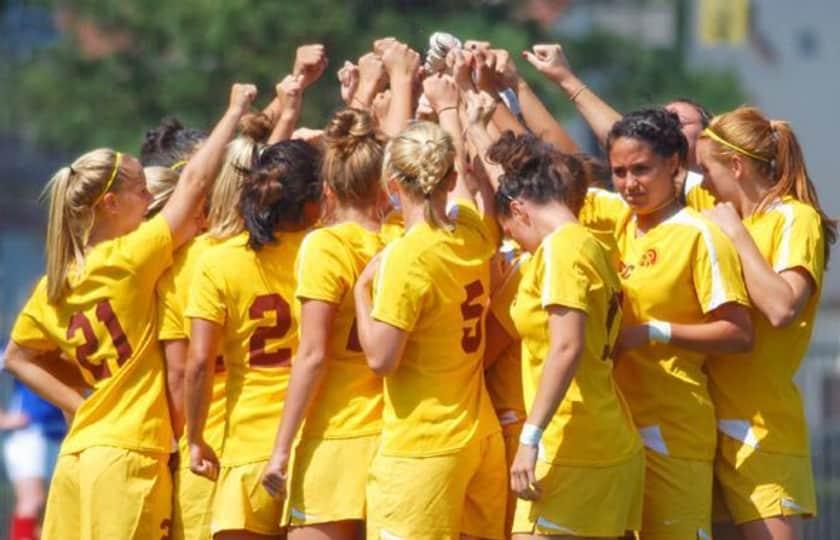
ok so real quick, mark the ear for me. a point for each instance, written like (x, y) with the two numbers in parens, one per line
(109, 203)
(737, 166)
(518, 211)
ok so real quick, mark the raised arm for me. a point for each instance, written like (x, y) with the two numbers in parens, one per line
(551, 61)
(200, 173)
(290, 95)
(402, 64)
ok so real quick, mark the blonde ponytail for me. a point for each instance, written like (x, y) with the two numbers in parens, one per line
(73, 194)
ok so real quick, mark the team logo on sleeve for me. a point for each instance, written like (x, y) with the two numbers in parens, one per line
(648, 258)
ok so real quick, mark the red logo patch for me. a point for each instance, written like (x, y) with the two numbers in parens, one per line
(648, 258)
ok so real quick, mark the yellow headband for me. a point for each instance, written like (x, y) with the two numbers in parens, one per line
(117, 162)
(177, 165)
(724, 142)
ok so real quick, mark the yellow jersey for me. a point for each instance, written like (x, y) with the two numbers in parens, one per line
(504, 377)
(679, 272)
(349, 401)
(756, 398)
(433, 284)
(697, 196)
(173, 290)
(599, 213)
(251, 294)
(107, 324)
(392, 227)
(592, 425)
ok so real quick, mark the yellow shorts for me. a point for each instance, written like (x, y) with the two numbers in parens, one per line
(328, 479)
(678, 498)
(510, 432)
(192, 505)
(104, 492)
(584, 501)
(240, 502)
(758, 485)
(440, 497)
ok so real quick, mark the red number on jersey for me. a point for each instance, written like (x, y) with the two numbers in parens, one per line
(471, 340)
(262, 305)
(105, 314)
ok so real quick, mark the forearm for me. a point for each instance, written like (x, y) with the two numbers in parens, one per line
(175, 352)
(505, 120)
(198, 389)
(42, 381)
(715, 337)
(559, 368)
(541, 122)
(285, 125)
(200, 173)
(307, 374)
(400, 109)
(595, 111)
(482, 140)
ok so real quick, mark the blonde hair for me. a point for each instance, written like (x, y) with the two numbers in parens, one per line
(421, 158)
(775, 152)
(352, 162)
(223, 217)
(74, 192)
(160, 181)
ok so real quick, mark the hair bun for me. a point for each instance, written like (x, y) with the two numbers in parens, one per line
(161, 136)
(255, 126)
(516, 154)
(348, 128)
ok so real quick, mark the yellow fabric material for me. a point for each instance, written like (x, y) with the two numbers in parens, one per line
(592, 425)
(678, 498)
(107, 324)
(329, 478)
(696, 195)
(599, 213)
(106, 492)
(349, 400)
(241, 503)
(756, 397)
(760, 485)
(679, 272)
(439, 497)
(585, 501)
(251, 295)
(192, 505)
(431, 283)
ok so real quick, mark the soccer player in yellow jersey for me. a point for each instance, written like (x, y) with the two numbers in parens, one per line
(441, 465)
(332, 393)
(242, 306)
(579, 467)
(684, 299)
(97, 306)
(770, 210)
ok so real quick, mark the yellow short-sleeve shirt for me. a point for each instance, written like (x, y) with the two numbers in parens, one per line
(251, 294)
(756, 398)
(107, 324)
(697, 196)
(679, 272)
(434, 284)
(349, 401)
(592, 425)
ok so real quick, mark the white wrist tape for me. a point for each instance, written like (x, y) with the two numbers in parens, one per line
(531, 435)
(659, 331)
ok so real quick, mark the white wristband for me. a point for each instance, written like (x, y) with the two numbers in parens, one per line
(659, 331)
(531, 435)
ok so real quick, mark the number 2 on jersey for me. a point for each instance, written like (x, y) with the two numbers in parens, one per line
(104, 314)
(260, 308)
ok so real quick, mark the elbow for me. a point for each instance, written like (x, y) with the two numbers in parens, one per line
(195, 370)
(743, 342)
(782, 317)
(314, 362)
(382, 366)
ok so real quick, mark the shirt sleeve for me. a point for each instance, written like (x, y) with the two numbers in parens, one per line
(322, 269)
(564, 280)
(503, 298)
(601, 209)
(170, 310)
(399, 288)
(207, 293)
(696, 196)
(800, 243)
(29, 330)
(717, 275)
(148, 251)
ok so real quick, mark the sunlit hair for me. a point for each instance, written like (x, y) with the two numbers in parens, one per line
(223, 218)
(73, 194)
(352, 162)
(160, 181)
(421, 157)
(774, 151)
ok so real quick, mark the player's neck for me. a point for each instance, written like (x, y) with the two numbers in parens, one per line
(652, 218)
(366, 217)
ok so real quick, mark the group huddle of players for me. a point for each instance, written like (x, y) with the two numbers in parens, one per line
(431, 319)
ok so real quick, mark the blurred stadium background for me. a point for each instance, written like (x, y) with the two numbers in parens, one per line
(81, 74)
